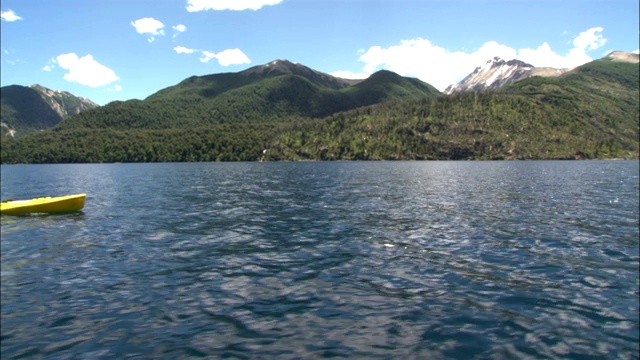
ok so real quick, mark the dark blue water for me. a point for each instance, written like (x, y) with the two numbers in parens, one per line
(422, 260)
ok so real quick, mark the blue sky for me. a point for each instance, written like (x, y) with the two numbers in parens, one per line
(108, 50)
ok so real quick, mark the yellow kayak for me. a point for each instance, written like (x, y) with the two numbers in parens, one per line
(47, 205)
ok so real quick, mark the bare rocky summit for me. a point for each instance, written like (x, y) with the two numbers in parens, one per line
(624, 56)
(496, 73)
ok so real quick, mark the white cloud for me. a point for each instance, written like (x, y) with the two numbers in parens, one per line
(431, 63)
(590, 39)
(9, 15)
(184, 50)
(636, 51)
(350, 75)
(206, 56)
(178, 29)
(225, 58)
(237, 5)
(149, 26)
(232, 57)
(441, 67)
(544, 56)
(47, 68)
(85, 70)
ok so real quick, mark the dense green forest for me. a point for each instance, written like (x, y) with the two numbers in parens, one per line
(591, 112)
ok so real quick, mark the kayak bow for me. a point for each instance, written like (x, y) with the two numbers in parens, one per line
(47, 205)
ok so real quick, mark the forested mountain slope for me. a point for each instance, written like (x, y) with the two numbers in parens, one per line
(589, 112)
(261, 94)
(29, 109)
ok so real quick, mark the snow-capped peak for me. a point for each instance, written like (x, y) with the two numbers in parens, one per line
(496, 61)
(495, 73)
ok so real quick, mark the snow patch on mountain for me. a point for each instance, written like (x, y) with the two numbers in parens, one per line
(497, 72)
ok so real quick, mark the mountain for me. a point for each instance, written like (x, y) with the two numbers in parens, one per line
(623, 56)
(590, 112)
(63, 102)
(274, 92)
(210, 86)
(496, 73)
(281, 67)
(27, 109)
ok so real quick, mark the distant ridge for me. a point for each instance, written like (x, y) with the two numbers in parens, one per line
(27, 109)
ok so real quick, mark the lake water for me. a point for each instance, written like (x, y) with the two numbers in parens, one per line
(407, 260)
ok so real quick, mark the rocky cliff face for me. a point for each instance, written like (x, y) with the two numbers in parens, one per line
(62, 102)
(497, 73)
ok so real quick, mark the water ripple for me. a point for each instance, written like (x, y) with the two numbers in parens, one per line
(312, 260)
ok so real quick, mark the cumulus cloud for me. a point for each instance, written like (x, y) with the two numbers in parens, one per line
(225, 58)
(149, 26)
(236, 5)
(350, 75)
(177, 29)
(184, 50)
(440, 67)
(85, 70)
(590, 39)
(9, 15)
(232, 57)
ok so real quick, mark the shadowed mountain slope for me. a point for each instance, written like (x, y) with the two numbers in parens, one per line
(28, 109)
